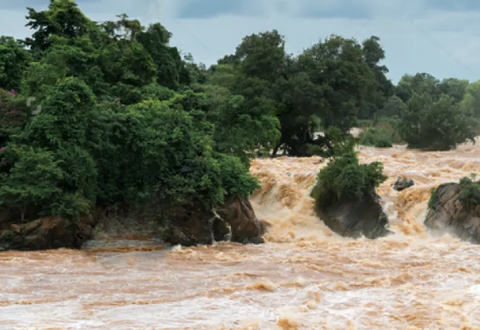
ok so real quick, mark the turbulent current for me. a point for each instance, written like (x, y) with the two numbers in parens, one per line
(304, 277)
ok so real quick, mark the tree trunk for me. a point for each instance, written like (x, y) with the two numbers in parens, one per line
(23, 210)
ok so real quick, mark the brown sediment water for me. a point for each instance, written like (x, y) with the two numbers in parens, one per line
(304, 277)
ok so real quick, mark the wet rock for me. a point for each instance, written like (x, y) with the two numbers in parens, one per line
(402, 183)
(234, 221)
(364, 217)
(46, 233)
(239, 215)
(447, 215)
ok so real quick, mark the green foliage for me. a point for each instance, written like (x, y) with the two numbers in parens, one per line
(338, 67)
(435, 125)
(151, 151)
(373, 137)
(63, 18)
(394, 107)
(471, 100)
(421, 83)
(383, 88)
(71, 206)
(340, 144)
(433, 198)
(390, 126)
(241, 127)
(31, 178)
(262, 55)
(235, 180)
(13, 116)
(14, 60)
(64, 118)
(125, 121)
(470, 192)
(455, 88)
(345, 179)
(170, 69)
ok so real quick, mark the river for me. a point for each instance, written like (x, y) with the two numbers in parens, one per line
(304, 277)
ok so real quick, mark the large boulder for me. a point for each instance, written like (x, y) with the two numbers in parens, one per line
(364, 217)
(234, 221)
(402, 183)
(46, 233)
(447, 215)
(239, 215)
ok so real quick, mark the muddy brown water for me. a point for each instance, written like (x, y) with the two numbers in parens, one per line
(304, 277)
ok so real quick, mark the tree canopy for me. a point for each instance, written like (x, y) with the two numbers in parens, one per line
(99, 115)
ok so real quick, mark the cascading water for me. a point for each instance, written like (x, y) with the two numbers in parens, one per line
(304, 277)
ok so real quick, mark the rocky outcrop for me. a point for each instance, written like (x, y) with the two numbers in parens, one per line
(402, 183)
(240, 217)
(363, 217)
(234, 221)
(447, 215)
(46, 233)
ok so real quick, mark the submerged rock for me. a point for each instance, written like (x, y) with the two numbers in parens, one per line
(46, 233)
(402, 183)
(364, 217)
(234, 221)
(447, 215)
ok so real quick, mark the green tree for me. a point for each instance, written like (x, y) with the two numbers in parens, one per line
(262, 55)
(345, 179)
(31, 180)
(14, 60)
(152, 152)
(13, 116)
(435, 125)
(421, 83)
(338, 66)
(64, 119)
(170, 68)
(383, 89)
(243, 124)
(375, 138)
(471, 99)
(66, 58)
(455, 88)
(63, 18)
(394, 107)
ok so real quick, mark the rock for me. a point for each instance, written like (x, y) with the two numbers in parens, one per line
(402, 183)
(46, 233)
(240, 216)
(190, 226)
(447, 215)
(364, 217)
(234, 221)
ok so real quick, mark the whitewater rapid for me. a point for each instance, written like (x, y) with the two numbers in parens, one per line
(304, 277)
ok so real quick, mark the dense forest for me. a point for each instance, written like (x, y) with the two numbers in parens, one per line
(110, 115)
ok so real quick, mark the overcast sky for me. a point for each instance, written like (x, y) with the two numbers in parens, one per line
(441, 37)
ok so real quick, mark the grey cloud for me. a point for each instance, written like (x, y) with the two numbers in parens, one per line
(22, 4)
(212, 8)
(432, 36)
(301, 8)
(453, 5)
(335, 9)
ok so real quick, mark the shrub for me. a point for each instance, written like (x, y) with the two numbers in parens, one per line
(390, 125)
(470, 192)
(433, 198)
(344, 178)
(435, 125)
(333, 143)
(374, 137)
(31, 178)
